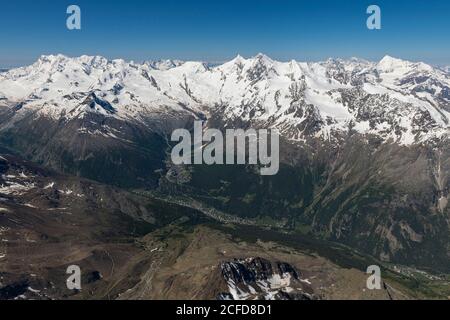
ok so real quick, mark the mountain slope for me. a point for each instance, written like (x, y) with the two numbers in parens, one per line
(365, 157)
(130, 246)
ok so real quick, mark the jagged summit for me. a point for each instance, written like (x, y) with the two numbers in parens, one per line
(164, 64)
(262, 57)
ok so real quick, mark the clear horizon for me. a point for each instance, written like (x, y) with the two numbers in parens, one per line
(216, 31)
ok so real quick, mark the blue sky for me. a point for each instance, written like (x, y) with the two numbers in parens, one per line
(217, 30)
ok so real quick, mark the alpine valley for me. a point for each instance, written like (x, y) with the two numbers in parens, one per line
(87, 179)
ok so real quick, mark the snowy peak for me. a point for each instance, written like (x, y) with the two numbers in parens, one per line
(238, 59)
(54, 63)
(390, 63)
(262, 67)
(164, 64)
(264, 59)
(51, 58)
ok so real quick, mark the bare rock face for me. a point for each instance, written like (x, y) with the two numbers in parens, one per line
(258, 278)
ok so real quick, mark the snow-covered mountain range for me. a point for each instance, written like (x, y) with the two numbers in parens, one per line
(395, 99)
